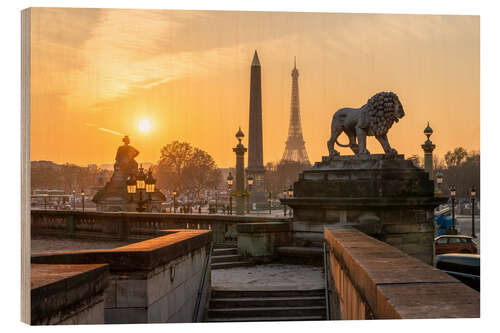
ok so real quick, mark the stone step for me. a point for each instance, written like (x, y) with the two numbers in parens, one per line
(308, 239)
(247, 302)
(224, 251)
(226, 258)
(282, 311)
(300, 251)
(228, 245)
(222, 265)
(218, 294)
(294, 318)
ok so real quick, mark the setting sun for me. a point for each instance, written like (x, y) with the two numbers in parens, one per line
(145, 126)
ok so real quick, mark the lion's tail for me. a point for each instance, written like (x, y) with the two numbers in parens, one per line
(341, 145)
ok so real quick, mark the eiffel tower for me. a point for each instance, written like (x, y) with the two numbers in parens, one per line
(295, 149)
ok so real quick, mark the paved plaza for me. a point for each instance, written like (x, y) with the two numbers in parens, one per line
(269, 277)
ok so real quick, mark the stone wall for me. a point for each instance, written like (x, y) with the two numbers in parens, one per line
(166, 294)
(153, 281)
(68, 294)
(260, 240)
(373, 280)
(128, 225)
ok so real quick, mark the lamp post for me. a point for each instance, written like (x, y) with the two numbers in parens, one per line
(141, 186)
(269, 201)
(290, 195)
(284, 205)
(240, 192)
(175, 202)
(428, 148)
(249, 190)
(473, 199)
(229, 187)
(216, 201)
(45, 200)
(83, 200)
(74, 200)
(439, 181)
(453, 192)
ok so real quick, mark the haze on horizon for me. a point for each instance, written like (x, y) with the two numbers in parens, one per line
(165, 75)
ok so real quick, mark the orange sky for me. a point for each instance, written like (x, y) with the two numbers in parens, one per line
(95, 72)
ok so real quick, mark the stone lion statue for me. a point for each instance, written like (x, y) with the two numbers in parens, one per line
(375, 118)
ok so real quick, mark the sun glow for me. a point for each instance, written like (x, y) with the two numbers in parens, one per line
(145, 125)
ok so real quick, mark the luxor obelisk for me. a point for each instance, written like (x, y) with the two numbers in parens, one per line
(255, 154)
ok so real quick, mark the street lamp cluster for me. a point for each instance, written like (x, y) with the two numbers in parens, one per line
(141, 184)
(453, 193)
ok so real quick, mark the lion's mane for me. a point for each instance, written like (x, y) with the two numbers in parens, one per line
(379, 114)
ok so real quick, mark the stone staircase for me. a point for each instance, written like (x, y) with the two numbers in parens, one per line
(226, 256)
(276, 305)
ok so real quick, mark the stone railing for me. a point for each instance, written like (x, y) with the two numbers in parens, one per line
(122, 225)
(153, 281)
(373, 280)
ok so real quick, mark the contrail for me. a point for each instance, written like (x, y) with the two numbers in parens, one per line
(110, 131)
(107, 130)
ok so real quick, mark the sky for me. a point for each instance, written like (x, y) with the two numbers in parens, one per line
(97, 74)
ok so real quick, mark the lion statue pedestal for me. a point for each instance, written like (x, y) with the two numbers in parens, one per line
(388, 198)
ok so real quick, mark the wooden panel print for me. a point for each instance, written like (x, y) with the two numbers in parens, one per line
(183, 165)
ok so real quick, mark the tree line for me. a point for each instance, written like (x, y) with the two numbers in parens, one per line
(460, 168)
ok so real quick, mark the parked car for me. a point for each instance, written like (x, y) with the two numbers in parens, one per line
(454, 244)
(464, 267)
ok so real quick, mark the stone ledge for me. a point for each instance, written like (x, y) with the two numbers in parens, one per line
(216, 218)
(263, 227)
(364, 202)
(141, 256)
(60, 291)
(396, 285)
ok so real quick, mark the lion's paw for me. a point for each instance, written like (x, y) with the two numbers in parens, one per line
(334, 153)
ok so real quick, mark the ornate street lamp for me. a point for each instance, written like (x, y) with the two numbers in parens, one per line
(270, 202)
(290, 195)
(216, 201)
(150, 183)
(131, 187)
(453, 192)
(83, 200)
(74, 200)
(285, 191)
(249, 190)
(229, 186)
(473, 199)
(141, 179)
(439, 181)
(175, 202)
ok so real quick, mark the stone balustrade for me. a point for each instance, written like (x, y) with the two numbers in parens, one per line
(152, 281)
(374, 280)
(124, 225)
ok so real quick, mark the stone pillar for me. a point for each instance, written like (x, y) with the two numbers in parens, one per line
(428, 148)
(240, 193)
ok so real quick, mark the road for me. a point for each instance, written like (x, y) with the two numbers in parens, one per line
(464, 224)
